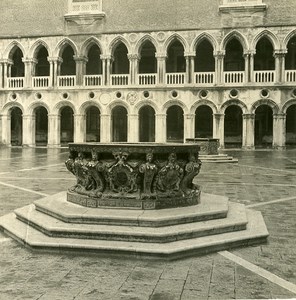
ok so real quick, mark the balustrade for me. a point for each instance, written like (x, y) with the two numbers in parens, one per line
(67, 81)
(93, 80)
(264, 76)
(204, 77)
(15, 82)
(40, 81)
(175, 78)
(147, 79)
(120, 79)
(290, 76)
(234, 77)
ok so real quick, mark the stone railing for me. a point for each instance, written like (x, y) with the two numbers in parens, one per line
(67, 81)
(40, 81)
(93, 80)
(234, 77)
(147, 79)
(204, 77)
(15, 82)
(175, 78)
(139, 176)
(120, 79)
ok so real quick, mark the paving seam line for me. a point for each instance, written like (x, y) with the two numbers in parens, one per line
(24, 189)
(271, 202)
(260, 271)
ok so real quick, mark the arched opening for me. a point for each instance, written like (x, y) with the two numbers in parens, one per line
(233, 127)
(291, 126)
(68, 65)
(121, 62)
(175, 58)
(234, 60)
(203, 122)
(42, 66)
(147, 124)
(204, 60)
(119, 124)
(290, 58)
(148, 61)
(41, 126)
(263, 126)
(17, 67)
(16, 126)
(93, 122)
(94, 63)
(67, 125)
(175, 124)
(264, 59)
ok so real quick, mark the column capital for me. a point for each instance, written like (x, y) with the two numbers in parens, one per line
(134, 56)
(106, 57)
(29, 60)
(279, 115)
(6, 61)
(280, 52)
(54, 59)
(249, 52)
(189, 54)
(219, 53)
(248, 116)
(160, 55)
(81, 58)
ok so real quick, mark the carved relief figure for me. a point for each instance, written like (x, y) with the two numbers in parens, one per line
(170, 175)
(149, 170)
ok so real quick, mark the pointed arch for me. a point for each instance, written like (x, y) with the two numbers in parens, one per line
(269, 35)
(36, 46)
(235, 35)
(270, 103)
(200, 38)
(142, 41)
(287, 38)
(117, 40)
(63, 44)
(205, 102)
(176, 37)
(89, 43)
(235, 102)
(11, 46)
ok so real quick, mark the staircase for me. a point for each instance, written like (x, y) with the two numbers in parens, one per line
(53, 224)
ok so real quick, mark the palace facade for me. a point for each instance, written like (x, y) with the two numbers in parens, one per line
(148, 71)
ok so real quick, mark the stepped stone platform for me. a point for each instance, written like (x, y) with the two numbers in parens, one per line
(54, 224)
(135, 199)
(218, 158)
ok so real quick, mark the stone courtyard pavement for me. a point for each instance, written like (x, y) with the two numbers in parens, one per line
(263, 180)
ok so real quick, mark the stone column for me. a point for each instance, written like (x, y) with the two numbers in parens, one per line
(161, 67)
(219, 68)
(29, 70)
(279, 56)
(79, 128)
(106, 130)
(108, 59)
(279, 131)
(29, 130)
(133, 128)
(189, 67)
(54, 131)
(6, 131)
(160, 128)
(103, 59)
(80, 69)
(218, 128)
(7, 63)
(1, 74)
(248, 142)
(134, 64)
(51, 71)
(189, 126)
(251, 61)
(56, 69)
(247, 67)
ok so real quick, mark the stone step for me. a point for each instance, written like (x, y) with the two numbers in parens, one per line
(236, 220)
(220, 158)
(255, 232)
(211, 207)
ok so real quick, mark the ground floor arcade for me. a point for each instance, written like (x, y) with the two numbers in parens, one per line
(236, 128)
